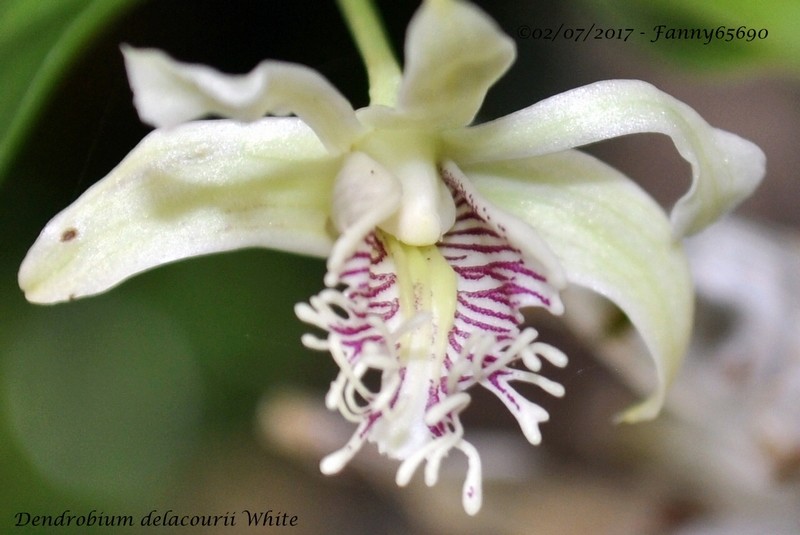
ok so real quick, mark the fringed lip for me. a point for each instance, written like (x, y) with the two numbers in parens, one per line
(433, 322)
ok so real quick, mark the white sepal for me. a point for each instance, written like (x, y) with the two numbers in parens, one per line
(591, 216)
(453, 54)
(200, 188)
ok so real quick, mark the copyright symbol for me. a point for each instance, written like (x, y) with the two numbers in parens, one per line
(524, 32)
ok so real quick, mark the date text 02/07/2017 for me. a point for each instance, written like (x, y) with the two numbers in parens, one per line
(660, 32)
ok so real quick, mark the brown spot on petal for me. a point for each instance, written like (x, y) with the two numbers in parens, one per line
(69, 234)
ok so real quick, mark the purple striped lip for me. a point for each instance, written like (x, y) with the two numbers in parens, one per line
(414, 413)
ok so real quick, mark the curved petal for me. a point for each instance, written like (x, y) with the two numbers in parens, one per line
(200, 188)
(725, 167)
(364, 194)
(612, 238)
(454, 52)
(167, 92)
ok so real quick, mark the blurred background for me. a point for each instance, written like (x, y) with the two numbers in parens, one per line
(187, 388)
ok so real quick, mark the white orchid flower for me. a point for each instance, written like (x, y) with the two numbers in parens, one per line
(437, 233)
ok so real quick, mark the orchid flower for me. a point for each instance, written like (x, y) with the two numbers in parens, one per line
(436, 233)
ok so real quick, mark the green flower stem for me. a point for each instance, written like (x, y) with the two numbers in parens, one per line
(382, 69)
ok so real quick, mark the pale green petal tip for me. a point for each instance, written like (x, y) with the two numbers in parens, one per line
(742, 166)
(644, 411)
(36, 278)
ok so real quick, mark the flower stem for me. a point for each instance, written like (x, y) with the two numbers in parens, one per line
(370, 37)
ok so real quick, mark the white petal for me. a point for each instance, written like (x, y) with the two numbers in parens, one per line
(725, 167)
(168, 92)
(200, 188)
(364, 194)
(454, 52)
(612, 238)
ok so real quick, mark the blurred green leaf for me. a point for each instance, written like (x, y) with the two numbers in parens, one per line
(778, 20)
(104, 397)
(38, 41)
